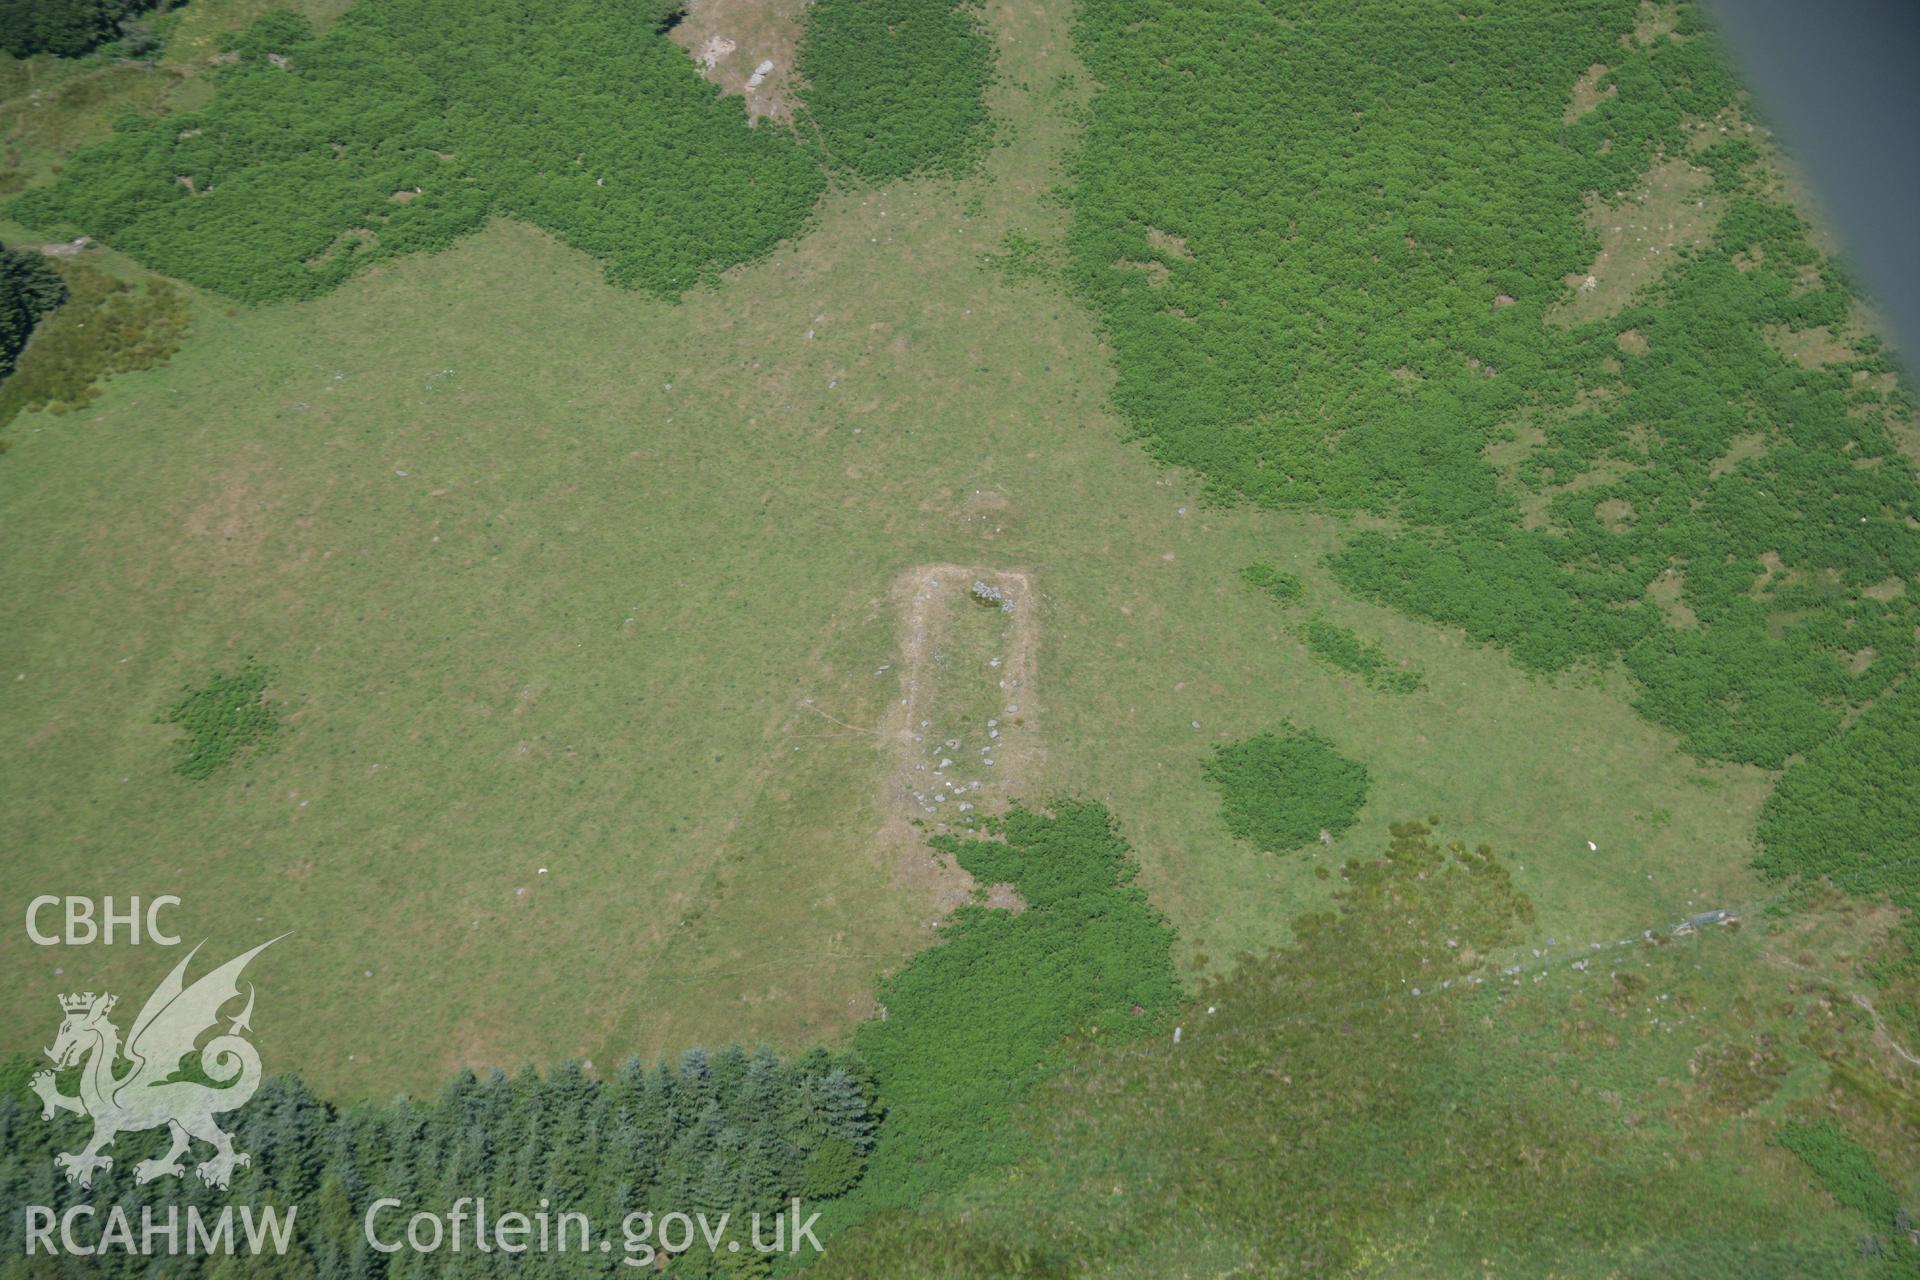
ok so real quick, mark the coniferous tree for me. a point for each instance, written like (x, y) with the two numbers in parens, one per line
(65, 28)
(29, 288)
(722, 1133)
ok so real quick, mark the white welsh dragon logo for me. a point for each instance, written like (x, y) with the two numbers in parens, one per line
(145, 1095)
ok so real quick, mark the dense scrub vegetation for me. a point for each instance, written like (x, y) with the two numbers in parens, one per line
(896, 86)
(1844, 811)
(976, 1022)
(407, 123)
(724, 1132)
(1406, 181)
(66, 28)
(1358, 288)
(106, 326)
(219, 720)
(1371, 181)
(1343, 648)
(1844, 1168)
(1850, 812)
(1387, 1095)
(1282, 790)
(29, 290)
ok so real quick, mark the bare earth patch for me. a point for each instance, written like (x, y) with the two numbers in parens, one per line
(1506, 455)
(1751, 444)
(1156, 272)
(1811, 348)
(1168, 243)
(1525, 432)
(1667, 592)
(1640, 232)
(1587, 93)
(732, 39)
(963, 730)
(1652, 22)
(1004, 897)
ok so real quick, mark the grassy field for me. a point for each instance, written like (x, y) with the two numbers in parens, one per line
(577, 603)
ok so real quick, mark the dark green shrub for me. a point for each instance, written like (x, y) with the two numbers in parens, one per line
(1285, 588)
(974, 1023)
(1727, 161)
(1341, 647)
(1843, 1167)
(224, 717)
(1281, 790)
